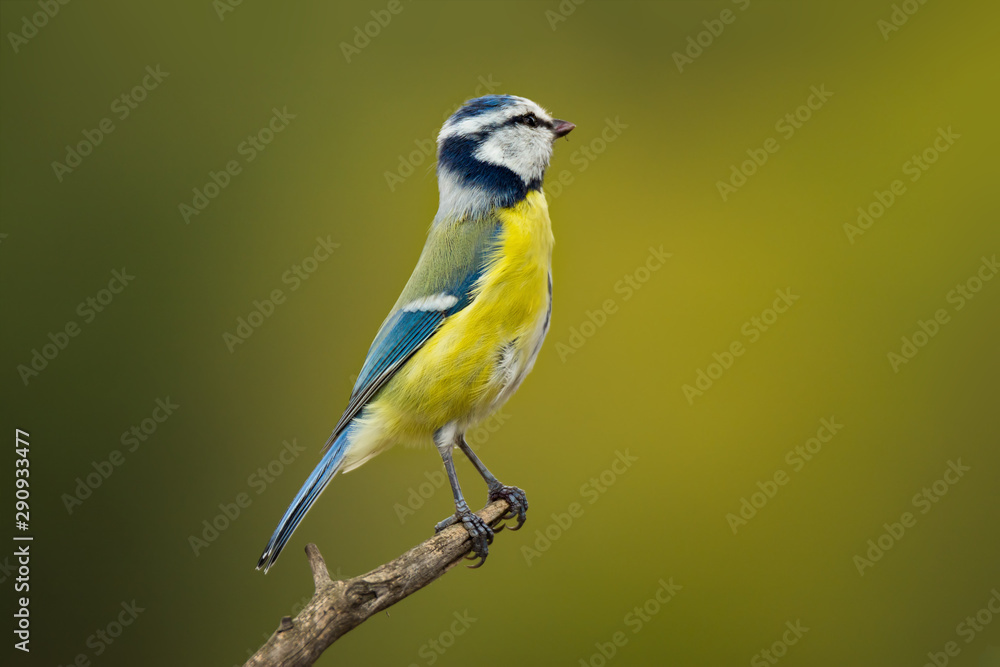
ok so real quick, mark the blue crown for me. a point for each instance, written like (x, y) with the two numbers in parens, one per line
(480, 105)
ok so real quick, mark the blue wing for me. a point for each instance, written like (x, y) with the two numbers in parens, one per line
(442, 284)
(456, 254)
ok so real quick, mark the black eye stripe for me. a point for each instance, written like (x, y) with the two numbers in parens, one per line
(529, 119)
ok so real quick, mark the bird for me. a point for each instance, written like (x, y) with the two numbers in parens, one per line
(471, 319)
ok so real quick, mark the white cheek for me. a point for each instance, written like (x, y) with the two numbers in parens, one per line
(521, 149)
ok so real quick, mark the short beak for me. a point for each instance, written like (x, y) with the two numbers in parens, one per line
(561, 127)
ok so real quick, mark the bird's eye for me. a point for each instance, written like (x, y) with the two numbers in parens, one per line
(529, 119)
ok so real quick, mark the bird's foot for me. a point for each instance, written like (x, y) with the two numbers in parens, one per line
(480, 534)
(515, 498)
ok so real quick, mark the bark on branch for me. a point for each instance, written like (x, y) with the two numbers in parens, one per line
(337, 607)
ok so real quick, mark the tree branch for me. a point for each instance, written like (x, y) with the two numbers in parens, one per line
(337, 607)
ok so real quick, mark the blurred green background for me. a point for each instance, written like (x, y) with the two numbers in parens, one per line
(339, 170)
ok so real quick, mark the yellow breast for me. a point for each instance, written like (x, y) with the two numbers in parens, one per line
(459, 375)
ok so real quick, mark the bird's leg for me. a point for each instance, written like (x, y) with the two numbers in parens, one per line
(480, 534)
(514, 496)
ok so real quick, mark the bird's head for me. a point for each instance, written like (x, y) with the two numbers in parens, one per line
(497, 146)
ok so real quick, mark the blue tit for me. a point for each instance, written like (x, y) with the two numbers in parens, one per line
(468, 326)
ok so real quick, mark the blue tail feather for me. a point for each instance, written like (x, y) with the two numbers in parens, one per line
(304, 499)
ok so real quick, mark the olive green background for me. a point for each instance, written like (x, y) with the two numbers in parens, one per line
(619, 389)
